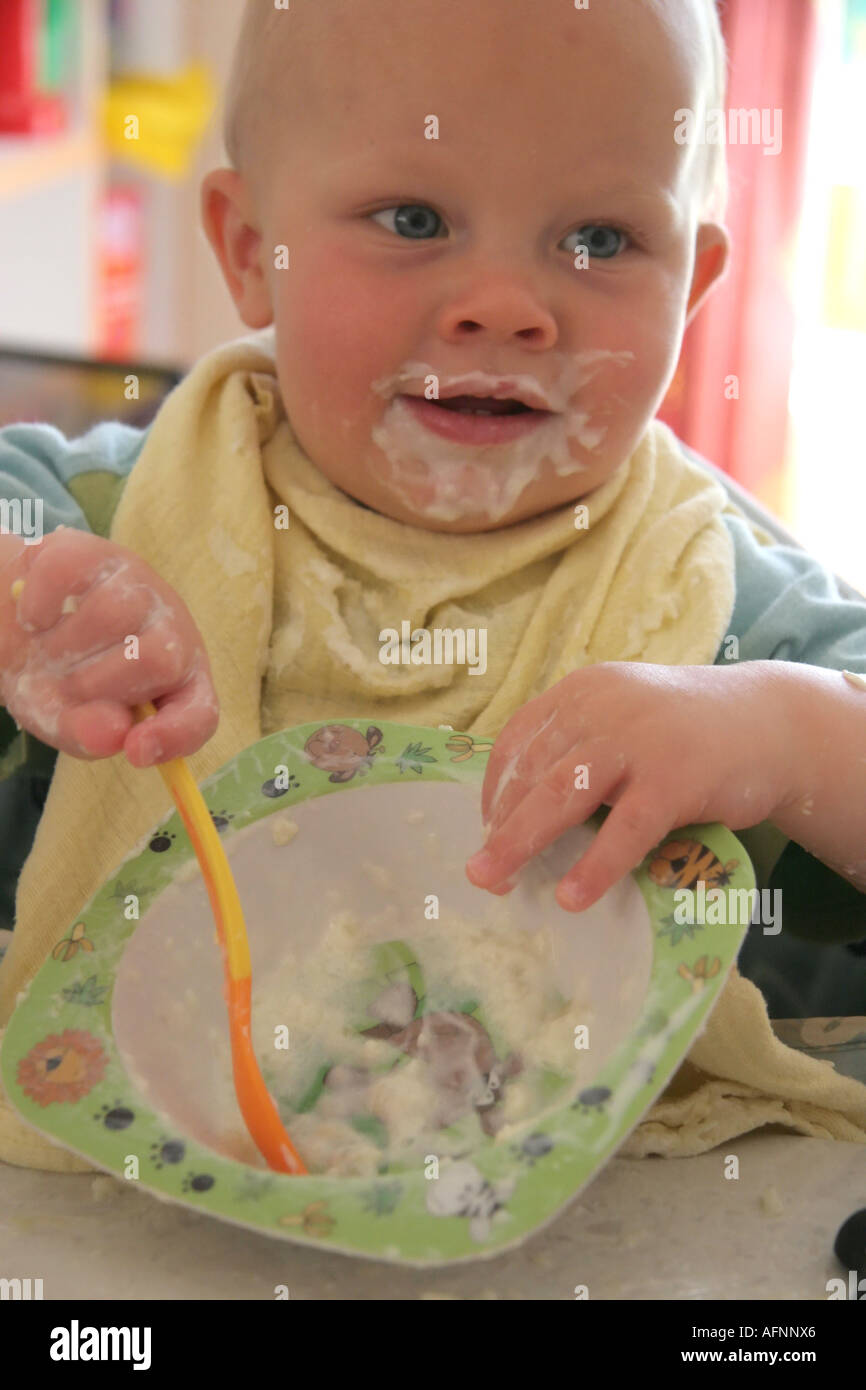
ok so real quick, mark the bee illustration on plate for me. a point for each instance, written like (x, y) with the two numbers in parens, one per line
(686, 863)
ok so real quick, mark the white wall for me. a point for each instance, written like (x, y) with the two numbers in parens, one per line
(46, 265)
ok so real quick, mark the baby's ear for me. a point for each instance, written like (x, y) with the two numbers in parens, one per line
(712, 251)
(229, 221)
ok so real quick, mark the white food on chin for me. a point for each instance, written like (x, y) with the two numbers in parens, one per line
(483, 480)
(471, 480)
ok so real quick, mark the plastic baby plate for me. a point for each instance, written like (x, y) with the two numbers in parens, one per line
(453, 1066)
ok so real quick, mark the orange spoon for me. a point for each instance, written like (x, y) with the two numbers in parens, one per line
(258, 1109)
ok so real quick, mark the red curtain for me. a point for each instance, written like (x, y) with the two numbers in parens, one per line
(746, 326)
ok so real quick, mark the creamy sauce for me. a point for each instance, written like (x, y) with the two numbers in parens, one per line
(375, 1065)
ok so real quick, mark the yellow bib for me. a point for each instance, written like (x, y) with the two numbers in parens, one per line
(291, 619)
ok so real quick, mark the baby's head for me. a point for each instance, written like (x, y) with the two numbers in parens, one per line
(489, 195)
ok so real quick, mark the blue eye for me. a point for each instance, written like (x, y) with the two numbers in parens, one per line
(413, 220)
(597, 239)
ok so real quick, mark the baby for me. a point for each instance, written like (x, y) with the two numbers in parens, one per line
(479, 243)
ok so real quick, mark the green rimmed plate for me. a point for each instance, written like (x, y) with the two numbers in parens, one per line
(119, 1051)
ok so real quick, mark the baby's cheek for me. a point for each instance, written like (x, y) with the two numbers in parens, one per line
(632, 401)
(337, 321)
(306, 316)
(339, 329)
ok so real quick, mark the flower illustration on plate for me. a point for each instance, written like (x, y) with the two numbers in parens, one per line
(62, 1067)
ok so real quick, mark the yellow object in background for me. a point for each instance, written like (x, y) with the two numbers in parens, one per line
(157, 123)
(845, 274)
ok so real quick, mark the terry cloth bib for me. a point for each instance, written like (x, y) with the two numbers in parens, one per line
(291, 619)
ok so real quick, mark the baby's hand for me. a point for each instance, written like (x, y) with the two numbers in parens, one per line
(90, 632)
(664, 746)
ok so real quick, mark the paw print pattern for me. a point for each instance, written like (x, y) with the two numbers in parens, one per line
(534, 1146)
(221, 819)
(162, 841)
(594, 1098)
(117, 1116)
(167, 1151)
(274, 788)
(197, 1182)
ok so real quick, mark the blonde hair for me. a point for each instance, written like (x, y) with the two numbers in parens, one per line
(715, 189)
(249, 83)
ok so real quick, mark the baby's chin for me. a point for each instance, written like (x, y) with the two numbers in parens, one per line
(465, 526)
(472, 521)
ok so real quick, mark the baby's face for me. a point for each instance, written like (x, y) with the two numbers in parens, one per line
(420, 264)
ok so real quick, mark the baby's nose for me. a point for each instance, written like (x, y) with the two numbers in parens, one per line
(502, 312)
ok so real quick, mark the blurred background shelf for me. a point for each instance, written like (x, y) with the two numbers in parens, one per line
(101, 256)
(27, 164)
(104, 257)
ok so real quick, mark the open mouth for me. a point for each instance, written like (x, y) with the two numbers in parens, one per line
(481, 420)
(484, 405)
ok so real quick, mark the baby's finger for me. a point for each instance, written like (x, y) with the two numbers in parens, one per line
(636, 824)
(97, 620)
(184, 721)
(64, 564)
(94, 730)
(160, 663)
(504, 754)
(530, 743)
(551, 807)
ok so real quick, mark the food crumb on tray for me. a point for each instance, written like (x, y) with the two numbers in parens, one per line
(771, 1203)
(283, 831)
(379, 875)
